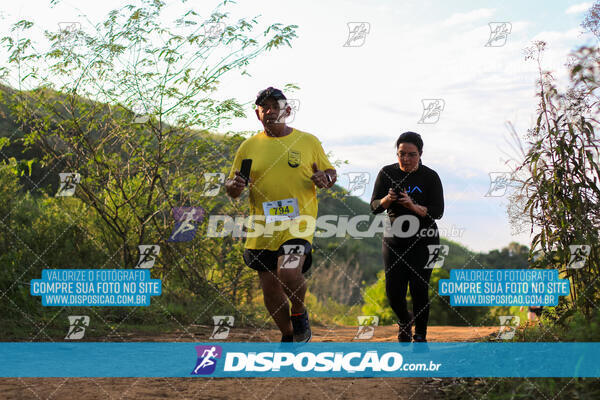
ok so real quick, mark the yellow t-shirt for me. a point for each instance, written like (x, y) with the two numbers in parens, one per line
(281, 169)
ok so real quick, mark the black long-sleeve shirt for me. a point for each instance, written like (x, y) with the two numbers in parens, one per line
(423, 186)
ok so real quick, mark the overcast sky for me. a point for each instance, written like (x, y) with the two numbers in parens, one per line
(359, 99)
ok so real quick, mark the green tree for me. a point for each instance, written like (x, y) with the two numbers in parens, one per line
(127, 104)
(558, 177)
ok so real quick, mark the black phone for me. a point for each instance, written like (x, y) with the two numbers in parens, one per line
(399, 189)
(245, 169)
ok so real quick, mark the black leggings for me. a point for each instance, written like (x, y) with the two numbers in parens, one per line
(403, 266)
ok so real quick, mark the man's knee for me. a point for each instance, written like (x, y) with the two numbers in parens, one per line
(270, 282)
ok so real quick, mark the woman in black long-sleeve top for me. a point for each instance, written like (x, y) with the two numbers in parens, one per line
(409, 190)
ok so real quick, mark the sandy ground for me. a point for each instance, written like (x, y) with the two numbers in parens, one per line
(248, 388)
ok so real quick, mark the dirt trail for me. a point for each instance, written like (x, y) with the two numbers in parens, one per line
(247, 388)
(201, 333)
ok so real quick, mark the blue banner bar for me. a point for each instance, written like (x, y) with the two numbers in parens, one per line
(229, 359)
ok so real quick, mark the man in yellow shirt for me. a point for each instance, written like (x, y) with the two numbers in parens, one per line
(287, 164)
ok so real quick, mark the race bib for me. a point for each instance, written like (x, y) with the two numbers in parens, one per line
(281, 210)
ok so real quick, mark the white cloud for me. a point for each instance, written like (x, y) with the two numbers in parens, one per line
(553, 37)
(578, 8)
(519, 26)
(461, 18)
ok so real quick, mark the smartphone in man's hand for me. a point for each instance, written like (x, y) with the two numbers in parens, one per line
(245, 169)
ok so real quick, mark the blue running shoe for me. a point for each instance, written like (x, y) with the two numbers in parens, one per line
(302, 332)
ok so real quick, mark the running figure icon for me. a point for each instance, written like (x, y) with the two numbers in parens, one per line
(207, 359)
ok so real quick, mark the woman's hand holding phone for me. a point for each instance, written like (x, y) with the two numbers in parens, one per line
(390, 198)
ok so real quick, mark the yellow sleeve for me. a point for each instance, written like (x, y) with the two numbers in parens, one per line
(321, 158)
(237, 161)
